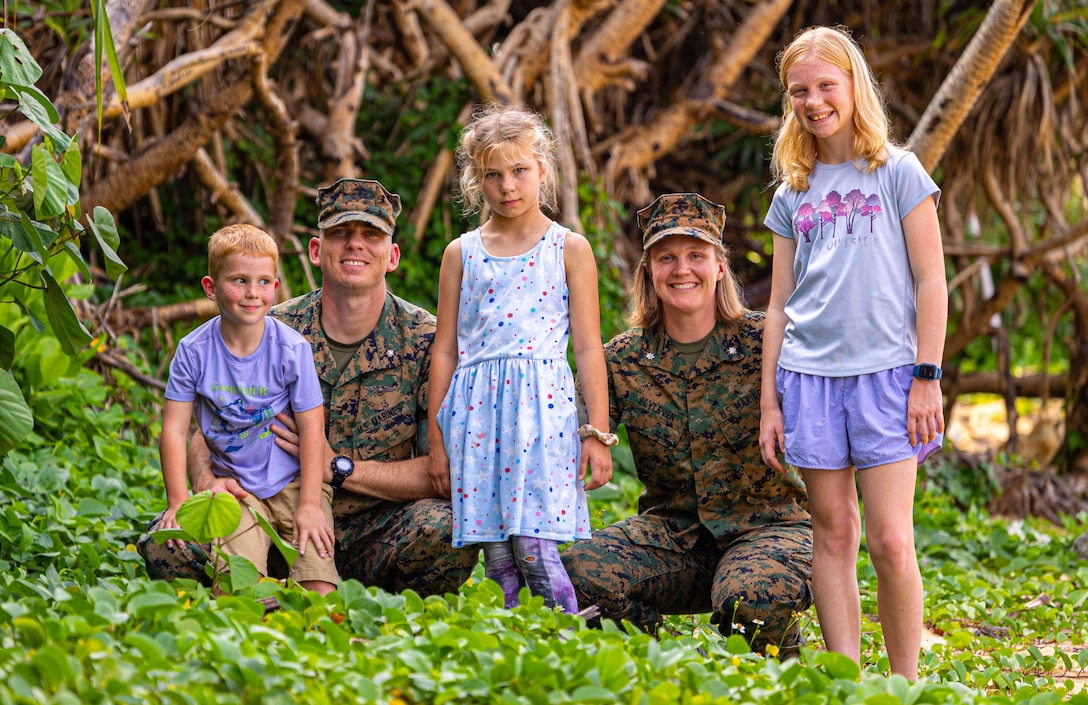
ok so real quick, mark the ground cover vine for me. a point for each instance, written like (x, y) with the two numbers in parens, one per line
(81, 623)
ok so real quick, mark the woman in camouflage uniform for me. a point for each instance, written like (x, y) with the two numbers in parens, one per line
(717, 530)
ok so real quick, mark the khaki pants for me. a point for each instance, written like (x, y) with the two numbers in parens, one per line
(252, 543)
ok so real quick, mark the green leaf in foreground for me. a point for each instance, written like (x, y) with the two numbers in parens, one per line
(290, 553)
(16, 421)
(206, 516)
(68, 329)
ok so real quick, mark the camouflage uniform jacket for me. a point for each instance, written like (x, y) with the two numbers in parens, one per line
(694, 434)
(373, 407)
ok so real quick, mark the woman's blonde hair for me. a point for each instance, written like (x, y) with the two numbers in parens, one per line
(646, 308)
(492, 127)
(239, 239)
(794, 153)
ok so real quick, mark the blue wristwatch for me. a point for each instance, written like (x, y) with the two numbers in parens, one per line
(927, 372)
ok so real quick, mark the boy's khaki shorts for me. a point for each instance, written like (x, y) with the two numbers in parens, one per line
(251, 542)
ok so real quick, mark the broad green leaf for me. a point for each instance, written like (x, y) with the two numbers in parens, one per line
(52, 663)
(25, 238)
(839, 666)
(72, 164)
(76, 256)
(17, 65)
(8, 161)
(50, 183)
(91, 507)
(593, 694)
(37, 108)
(105, 233)
(206, 516)
(290, 553)
(35, 322)
(7, 347)
(161, 536)
(16, 422)
(150, 603)
(243, 574)
(30, 630)
(67, 328)
(737, 644)
(150, 650)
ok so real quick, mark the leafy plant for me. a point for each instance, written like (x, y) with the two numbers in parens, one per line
(209, 519)
(40, 232)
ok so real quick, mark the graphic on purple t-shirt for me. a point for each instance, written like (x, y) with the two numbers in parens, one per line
(236, 398)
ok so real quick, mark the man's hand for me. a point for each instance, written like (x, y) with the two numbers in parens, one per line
(287, 439)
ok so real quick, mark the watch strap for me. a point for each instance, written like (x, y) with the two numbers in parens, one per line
(927, 372)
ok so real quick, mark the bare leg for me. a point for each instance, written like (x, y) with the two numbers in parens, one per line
(319, 586)
(836, 538)
(888, 495)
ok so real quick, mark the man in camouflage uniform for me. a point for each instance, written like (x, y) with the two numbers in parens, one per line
(716, 530)
(371, 350)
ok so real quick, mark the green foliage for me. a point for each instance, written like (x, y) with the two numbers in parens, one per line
(602, 218)
(207, 518)
(80, 622)
(40, 233)
(971, 486)
(406, 125)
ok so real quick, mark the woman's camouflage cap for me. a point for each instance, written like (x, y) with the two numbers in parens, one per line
(358, 199)
(682, 214)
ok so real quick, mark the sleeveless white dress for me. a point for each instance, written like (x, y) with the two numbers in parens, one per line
(510, 420)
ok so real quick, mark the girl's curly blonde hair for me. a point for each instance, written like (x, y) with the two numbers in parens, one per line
(493, 126)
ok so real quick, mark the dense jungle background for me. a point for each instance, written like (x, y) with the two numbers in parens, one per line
(238, 111)
(126, 142)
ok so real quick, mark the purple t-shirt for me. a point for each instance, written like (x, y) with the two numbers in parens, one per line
(236, 398)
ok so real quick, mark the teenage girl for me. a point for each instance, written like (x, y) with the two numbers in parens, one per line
(503, 425)
(854, 335)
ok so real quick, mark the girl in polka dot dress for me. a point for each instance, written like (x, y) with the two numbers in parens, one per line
(505, 439)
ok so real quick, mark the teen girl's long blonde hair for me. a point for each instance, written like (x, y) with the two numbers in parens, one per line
(794, 153)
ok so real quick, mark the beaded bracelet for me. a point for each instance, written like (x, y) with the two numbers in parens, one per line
(608, 439)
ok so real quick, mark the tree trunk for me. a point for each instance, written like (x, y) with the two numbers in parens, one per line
(948, 108)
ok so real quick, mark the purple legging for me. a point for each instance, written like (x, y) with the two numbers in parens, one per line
(521, 560)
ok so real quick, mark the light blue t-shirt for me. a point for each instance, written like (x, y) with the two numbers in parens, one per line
(236, 398)
(853, 311)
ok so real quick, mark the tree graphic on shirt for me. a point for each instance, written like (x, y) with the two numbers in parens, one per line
(833, 206)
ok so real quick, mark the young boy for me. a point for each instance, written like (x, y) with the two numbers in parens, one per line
(237, 371)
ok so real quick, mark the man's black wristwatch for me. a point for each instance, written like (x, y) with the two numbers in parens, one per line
(927, 372)
(342, 467)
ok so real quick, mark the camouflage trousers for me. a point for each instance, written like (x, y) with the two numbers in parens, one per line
(411, 549)
(756, 586)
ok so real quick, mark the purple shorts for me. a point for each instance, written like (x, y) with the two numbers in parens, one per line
(837, 422)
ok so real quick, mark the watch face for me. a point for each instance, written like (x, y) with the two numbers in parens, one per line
(342, 464)
(928, 372)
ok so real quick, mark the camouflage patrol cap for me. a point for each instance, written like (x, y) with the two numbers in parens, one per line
(358, 199)
(681, 214)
